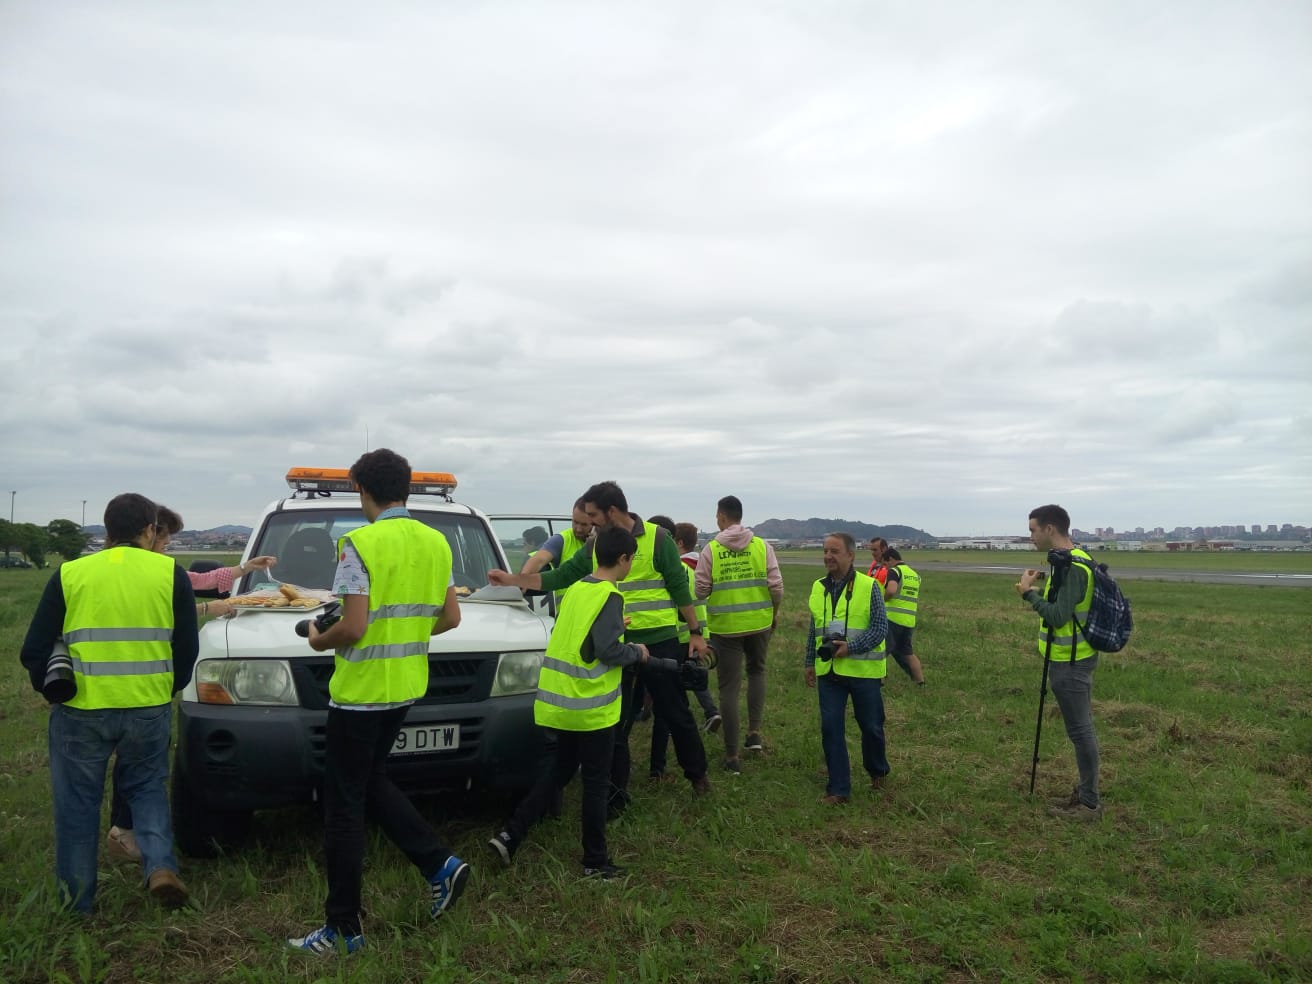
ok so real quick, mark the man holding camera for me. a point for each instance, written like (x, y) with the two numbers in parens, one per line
(655, 594)
(128, 618)
(394, 579)
(845, 658)
(1066, 597)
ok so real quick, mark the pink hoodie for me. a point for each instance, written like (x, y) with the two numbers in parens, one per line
(737, 537)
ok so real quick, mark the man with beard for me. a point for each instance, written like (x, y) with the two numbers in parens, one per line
(655, 594)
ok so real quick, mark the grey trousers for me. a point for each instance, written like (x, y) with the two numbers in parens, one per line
(739, 653)
(1072, 685)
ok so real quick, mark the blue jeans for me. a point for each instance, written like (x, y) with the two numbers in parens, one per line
(868, 707)
(81, 743)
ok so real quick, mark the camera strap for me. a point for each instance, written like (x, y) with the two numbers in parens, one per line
(833, 602)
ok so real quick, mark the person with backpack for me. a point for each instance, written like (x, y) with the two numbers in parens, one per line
(1070, 659)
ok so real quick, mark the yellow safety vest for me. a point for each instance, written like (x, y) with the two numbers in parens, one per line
(574, 695)
(409, 567)
(739, 602)
(1068, 642)
(902, 606)
(647, 602)
(571, 545)
(698, 606)
(118, 626)
(851, 615)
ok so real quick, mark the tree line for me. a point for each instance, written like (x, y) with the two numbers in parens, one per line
(62, 537)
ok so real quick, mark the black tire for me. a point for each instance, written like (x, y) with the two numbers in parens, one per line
(199, 831)
(202, 567)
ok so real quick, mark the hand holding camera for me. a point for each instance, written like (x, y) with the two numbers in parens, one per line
(326, 619)
(1030, 579)
(832, 646)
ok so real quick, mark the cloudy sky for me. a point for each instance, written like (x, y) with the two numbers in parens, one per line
(916, 263)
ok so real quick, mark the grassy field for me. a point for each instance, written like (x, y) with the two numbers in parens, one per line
(1201, 871)
(1281, 563)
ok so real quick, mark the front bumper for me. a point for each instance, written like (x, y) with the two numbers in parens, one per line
(248, 758)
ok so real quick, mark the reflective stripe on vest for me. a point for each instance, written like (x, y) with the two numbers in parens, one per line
(698, 606)
(1068, 643)
(646, 599)
(854, 613)
(902, 606)
(574, 695)
(409, 567)
(739, 602)
(118, 626)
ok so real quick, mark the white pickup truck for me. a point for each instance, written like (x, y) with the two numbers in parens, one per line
(251, 722)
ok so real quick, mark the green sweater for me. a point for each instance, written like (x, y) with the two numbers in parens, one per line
(665, 558)
(1059, 610)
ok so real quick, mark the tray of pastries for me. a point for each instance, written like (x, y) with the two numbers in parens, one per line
(287, 597)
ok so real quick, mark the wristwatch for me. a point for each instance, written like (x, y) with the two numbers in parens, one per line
(696, 631)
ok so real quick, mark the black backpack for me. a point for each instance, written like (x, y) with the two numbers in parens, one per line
(1110, 621)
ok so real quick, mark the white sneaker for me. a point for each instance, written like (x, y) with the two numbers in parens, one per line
(122, 844)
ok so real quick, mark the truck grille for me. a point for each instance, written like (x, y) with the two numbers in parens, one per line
(452, 679)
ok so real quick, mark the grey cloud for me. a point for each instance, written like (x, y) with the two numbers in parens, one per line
(680, 246)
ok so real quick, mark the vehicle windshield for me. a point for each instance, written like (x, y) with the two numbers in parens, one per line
(522, 534)
(305, 543)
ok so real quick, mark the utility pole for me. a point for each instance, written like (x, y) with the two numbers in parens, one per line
(84, 513)
(12, 493)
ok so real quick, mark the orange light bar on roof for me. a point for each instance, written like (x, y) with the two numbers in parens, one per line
(339, 480)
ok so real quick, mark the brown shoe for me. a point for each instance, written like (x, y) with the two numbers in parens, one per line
(829, 799)
(878, 782)
(701, 786)
(167, 888)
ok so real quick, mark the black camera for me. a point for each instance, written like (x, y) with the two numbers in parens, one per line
(692, 674)
(330, 616)
(825, 649)
(60, 685)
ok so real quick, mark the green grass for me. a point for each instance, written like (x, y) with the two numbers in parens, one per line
(1201, 871)
(1280, 563)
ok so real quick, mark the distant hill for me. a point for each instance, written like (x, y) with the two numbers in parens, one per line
(814, 529)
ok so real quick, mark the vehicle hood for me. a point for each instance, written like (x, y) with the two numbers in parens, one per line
(484, 627)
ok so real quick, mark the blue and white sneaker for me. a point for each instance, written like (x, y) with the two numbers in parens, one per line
(447, 885)
(327, 942)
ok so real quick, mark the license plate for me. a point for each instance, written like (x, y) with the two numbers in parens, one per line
(417, 738)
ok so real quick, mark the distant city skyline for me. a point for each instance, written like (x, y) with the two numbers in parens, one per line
(1282, 530)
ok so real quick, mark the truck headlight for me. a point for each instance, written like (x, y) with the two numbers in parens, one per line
(245, 681)
(517, 673)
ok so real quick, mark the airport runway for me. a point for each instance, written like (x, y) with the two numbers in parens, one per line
(1272, 579)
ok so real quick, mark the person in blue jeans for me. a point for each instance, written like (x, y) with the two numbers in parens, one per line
(127, 616)
(845, 659)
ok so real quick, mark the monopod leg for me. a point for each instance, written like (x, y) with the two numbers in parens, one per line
(1038, 725)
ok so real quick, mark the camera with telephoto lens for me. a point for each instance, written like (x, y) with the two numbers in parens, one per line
(60, 685)
(692, 674)
(330, 616)
(825, 650)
